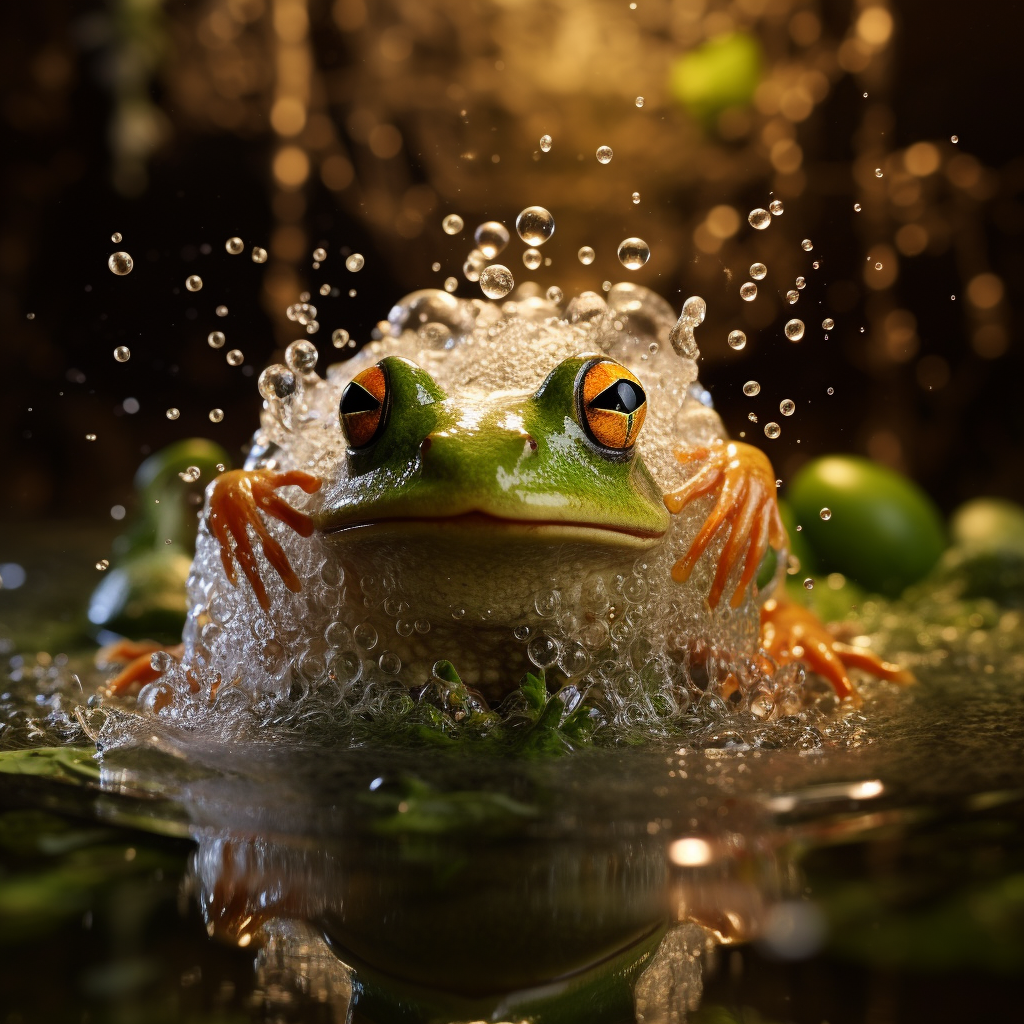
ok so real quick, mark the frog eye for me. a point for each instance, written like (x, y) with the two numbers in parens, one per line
(363, 406)
(613, 405)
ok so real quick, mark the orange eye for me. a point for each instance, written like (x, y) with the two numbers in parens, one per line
(363, 406)
(613, 405)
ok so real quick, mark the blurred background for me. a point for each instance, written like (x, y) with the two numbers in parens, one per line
(888, 129)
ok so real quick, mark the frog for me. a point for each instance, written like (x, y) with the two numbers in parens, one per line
(508, 488)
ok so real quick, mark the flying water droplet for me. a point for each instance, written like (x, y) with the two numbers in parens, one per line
(276, 382)
(532, 259)
(792, 295)
(355, 262)
(475, 263)
(794, 330)
(586, 255)
(216, 415)
(554, 294)
(452, 224)
(807, 245)
(339, 337)
(172, 413)
(235, 357)
(828, 323)
(193, 282)
(878, 172)
(751, 388)
(491, 237)
(116, 237)
(636, 198)
(319, 255)
(496, 281)
(234, 245)
(301, 357)
(801, 283)
(759, 218)
(535, 225)
(122, 353)
(758, 271)
(787, 407)
(604, 154)
(633, 253)
(639, 101)
(857, 207)
(450, 284)
(808, 584)
(737, 340)
(826, 514)
(776, 208)
(748, 291)
(259, 255)
(120, 263)
(545, 143)
(772, 430)
(216, 339)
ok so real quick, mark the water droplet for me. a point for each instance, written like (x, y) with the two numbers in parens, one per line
(90, 437)
(325, 289)
(801, 283)
(695, 309)
(452, 224)
(450, 284)
(748, 291)
(954, 139)
(878, 172)
(116, 237)
(301, 357)
(319, 255)
(221, 311)
(752, 416)
(496, 281)
(878, 266)
(787, 407)
(636, 198)
(826, 514)
(475, 263)
(532, 259)
(857, 207)
(216, 415)
(235, 357)
(586, 255)
(435, 266)
(545, 143)
(339, 337)
(172, 413)
(758, 271)
(772, 430)
(390, 663)
(355, 262)
(102, 564)
(535, 225)
(120, 263)
(828, 323)
(234, 245)
(554, 294)
(276, 382)
(633, 253)
(795, 330)
(259, 255)
(604, 154)
(830, 391)
(639, 101)
(542, 650)
(215, 339)
(193, 282)
(807, 245)
(759, 218)
(191, 475)
(491, 237)
(122, 353)
(737, 340)
(751, 388)
(808, 584)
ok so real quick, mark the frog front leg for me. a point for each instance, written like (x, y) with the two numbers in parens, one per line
(235, 499)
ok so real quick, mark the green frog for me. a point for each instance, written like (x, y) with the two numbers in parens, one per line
(505, 488)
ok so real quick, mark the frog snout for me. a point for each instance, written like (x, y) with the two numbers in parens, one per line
(461, 455)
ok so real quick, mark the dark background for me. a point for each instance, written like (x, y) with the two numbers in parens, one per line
(954, 69)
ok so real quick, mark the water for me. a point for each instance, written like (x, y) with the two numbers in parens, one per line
(633, 253)
(491, 237)
(535, 225)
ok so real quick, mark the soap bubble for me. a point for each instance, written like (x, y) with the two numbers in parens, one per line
(639, 101)
(532, 259)
(496, 281)
(172, 413)
(355, 262)
(554, 294)
(787, 407)
(122, 353)
(120, 263)
(586, 255)
(475, 263)
(633, 253)
(772, 430)
(216, 415)
(339, 337)
(193, 282)
(759, 218)
(737, 340)
(535, 225)
(491, 237)
(636, 198)
(751, 388)
(776, 207)
(116, 237)
(826, 514)
(748, 291)
(259, 255)
(828, 323)
(235, 357)
(301, 356)
(604, 154)
(545, 143)
(758, 271)
(807, 245)
(795, 330)
(216, 339)
(276, 382)
(452, 224)
(234, 245)
(319, 255)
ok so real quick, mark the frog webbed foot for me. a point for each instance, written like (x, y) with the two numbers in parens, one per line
(236, 497)
(744, 481)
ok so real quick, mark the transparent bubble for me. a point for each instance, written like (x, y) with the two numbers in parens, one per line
(857, 207)
(122, 353)
(116, 237)
(772, 430)
(365, 636)
(573, 659)
(776, 208)
(319, 255)
(828, 323)
(535, 225)
(301, 356)
(450, 284)
(475, 263)
(545, 143)
(154, 696)
(758, 271)
(586, 255)
(259, 255)
(339, 337)
(452, 224)
(792, 296)
(787, 407)
(496, 281)
(748, 291)
(491, 237)
(234, 245)
(193, 282)
(521, 633)
(103, 564)
(633, 253)
(542, 650)
(794, 330)
(120, 263)
(235, 357)
(554, 294)
(801, 283)
(604, 154)
(532, 259)
(221, 311)
(751, 388)
(636, 198)
(826, 514)
(639, 101)
(216, 339)
(216, 415)
(759, 218)
(355, 262)
(737, 340)
(807, 245)
(276, 381)
(390, 663)
(172, 413)
(808, 584)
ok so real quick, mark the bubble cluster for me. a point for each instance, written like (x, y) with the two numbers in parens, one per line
(633, 253)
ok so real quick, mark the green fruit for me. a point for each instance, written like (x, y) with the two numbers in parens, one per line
(988, 524)
(884, 532)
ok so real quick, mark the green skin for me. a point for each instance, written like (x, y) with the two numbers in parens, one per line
(525, 461)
